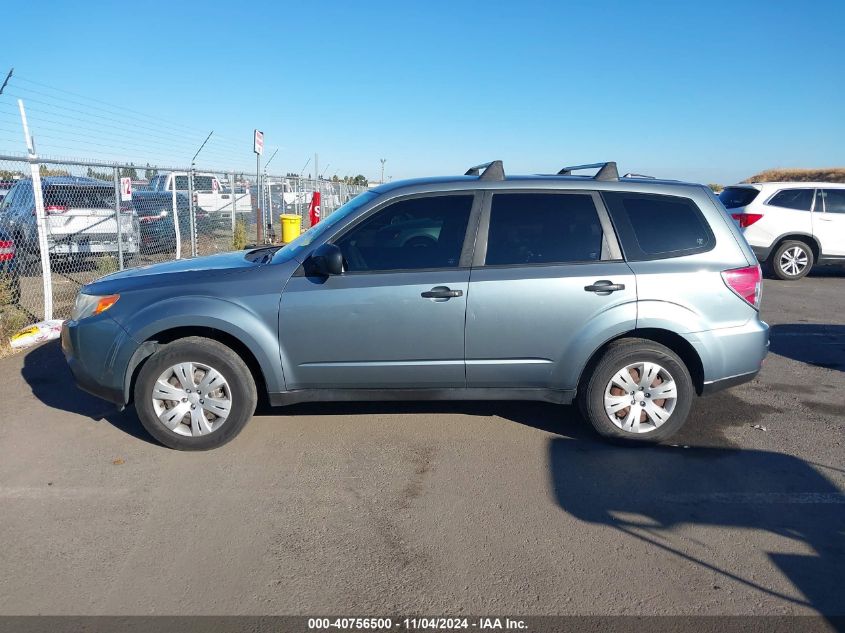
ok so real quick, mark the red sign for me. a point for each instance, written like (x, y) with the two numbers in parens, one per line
(314, 211)
(258, 142)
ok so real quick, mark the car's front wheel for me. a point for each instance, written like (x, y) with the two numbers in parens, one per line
(639, 391)
(194, 394)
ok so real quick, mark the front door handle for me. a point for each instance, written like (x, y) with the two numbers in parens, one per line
(441, 292)
(604, 286)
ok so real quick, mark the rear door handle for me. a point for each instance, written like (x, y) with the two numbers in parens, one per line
(441, 292)
(604, 286)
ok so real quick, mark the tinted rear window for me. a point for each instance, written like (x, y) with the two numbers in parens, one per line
(654, 226)
(733, 197)
(80, 196)
(799, 199)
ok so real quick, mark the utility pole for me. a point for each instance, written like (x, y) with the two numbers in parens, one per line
(383, 161)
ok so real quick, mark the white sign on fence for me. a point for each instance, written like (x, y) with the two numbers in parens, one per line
(258, 143)
(125, 189)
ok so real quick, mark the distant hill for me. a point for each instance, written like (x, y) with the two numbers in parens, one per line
(823, 174)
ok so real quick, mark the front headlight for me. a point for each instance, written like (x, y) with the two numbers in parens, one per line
(89, 305)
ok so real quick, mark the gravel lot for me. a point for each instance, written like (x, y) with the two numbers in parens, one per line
(438, 509)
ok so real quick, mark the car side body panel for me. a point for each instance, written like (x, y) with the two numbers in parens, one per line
(536, 326)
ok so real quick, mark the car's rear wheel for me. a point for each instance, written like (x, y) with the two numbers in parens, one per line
(194, 394)
(792, 260)
(639, 391)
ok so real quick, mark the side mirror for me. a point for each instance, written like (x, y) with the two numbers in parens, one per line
(326, 260)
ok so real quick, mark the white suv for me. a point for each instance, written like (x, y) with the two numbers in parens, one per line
(790, 225)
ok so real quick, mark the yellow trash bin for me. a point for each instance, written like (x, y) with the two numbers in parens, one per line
(290, 227)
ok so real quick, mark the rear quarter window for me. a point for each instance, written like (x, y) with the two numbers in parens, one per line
(652, 226)
(797, 199)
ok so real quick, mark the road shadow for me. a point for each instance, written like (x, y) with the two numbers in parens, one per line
(48, 376)
(645, 492)
(816, 344)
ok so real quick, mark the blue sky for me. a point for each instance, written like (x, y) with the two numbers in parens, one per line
(711, 92)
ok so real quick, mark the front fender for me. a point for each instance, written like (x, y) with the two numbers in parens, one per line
(255, 328)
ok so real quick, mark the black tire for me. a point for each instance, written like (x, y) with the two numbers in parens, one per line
(619, 355)
(213, 354)
(778, 260)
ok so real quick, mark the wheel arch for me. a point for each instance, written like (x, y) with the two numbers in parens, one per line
(667, 338)
(810, 240)
(168, 335)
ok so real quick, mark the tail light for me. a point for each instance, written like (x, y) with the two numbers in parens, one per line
(7, 250)
(746, 282)
(746, 219)
(55, 208)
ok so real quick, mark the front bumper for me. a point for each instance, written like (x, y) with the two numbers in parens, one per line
(98, 351)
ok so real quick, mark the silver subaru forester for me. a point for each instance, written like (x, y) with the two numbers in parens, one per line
(630, 295)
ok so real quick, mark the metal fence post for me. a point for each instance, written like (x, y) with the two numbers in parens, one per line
(40, 218)
(117, 200)
(175, 211)
(192, 213)
(234, 205)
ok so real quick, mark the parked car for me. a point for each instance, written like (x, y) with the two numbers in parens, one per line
(155, 217)
(9, 274)
(209, 194)
(80, 218)
(628, 295)
(5, 187)
(790, 225)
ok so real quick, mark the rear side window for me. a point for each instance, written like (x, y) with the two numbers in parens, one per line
(798, 199)
(735, 197)
(655, 227)
(542, 228)
(834, 200)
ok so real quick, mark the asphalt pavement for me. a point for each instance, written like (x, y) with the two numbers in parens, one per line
(438, 508)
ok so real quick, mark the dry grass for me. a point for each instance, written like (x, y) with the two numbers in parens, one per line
(12, 319)
(823, 174)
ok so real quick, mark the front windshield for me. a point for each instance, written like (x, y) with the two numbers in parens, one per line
(307, 238)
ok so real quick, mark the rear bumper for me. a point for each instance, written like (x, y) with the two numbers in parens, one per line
(98, 351)
(726, 383)
(82, 244)
(730, 356)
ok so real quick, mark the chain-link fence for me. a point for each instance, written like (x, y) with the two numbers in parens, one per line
(88, 219)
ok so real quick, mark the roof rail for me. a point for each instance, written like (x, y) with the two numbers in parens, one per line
(633, 175)
(494, 170)
(606, 171)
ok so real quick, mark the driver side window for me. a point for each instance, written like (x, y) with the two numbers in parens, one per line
(417, 233)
